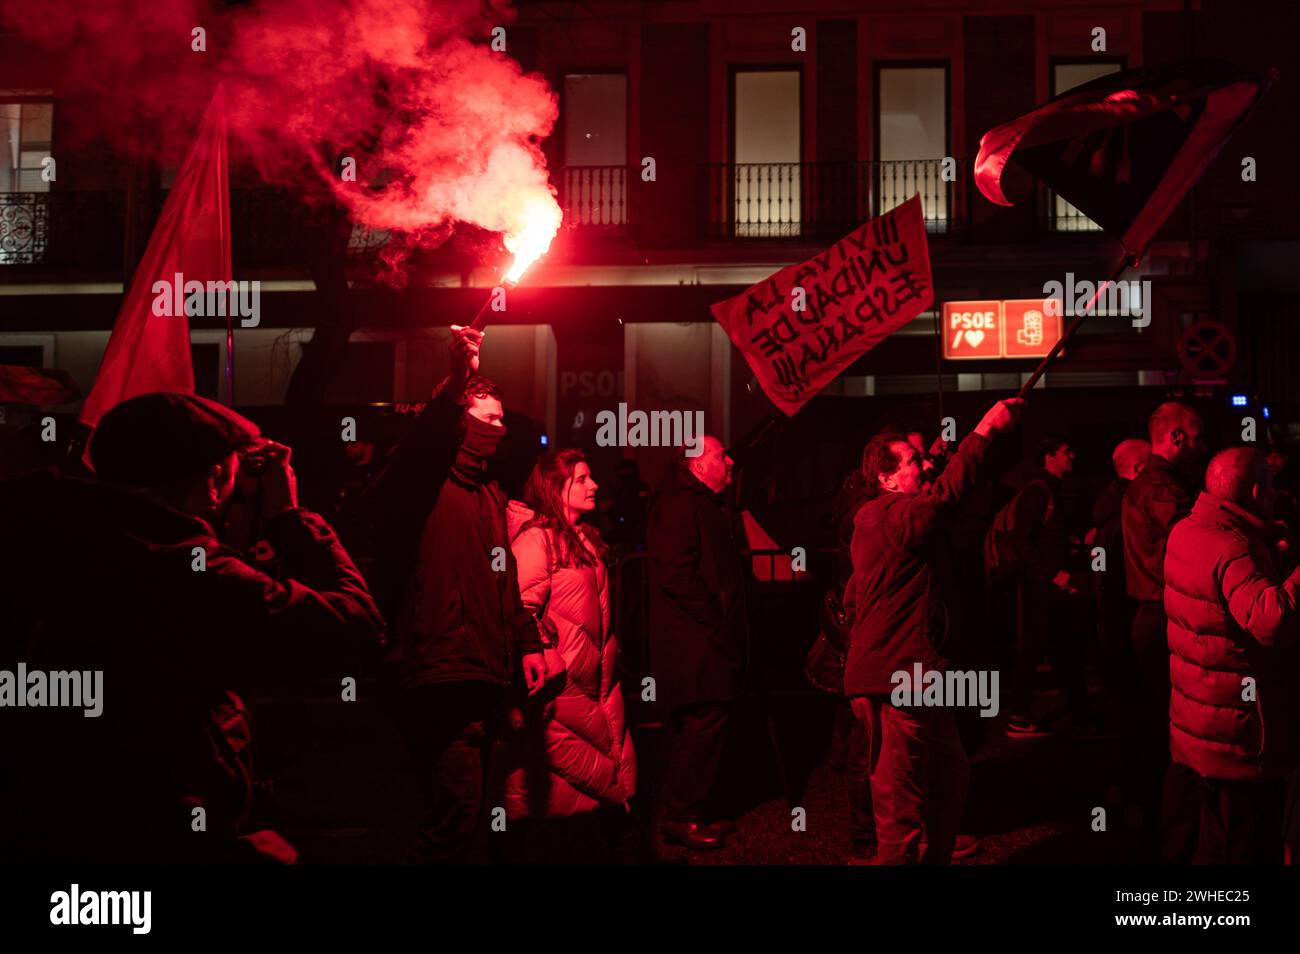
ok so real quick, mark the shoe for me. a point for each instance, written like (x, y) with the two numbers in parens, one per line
(1022, 728)
(723, 826)
(963, 847)
(692, 835)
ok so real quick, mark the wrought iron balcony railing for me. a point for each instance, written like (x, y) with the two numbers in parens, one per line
(822, 200)
(1058, 215)
(596, 198)
(62, 228)
(827, 199)
(88, 229)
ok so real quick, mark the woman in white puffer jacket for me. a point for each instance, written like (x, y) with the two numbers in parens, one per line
(571, 768)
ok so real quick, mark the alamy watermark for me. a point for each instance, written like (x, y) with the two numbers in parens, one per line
(195, 299)
(953, 688)
(37, 689)
(76, 907)
(1118, 299)
(624, 428)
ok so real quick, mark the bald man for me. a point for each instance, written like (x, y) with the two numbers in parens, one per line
(1161, 494)
(697, 633)
(1232, 594)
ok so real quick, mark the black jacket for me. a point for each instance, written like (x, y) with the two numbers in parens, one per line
(1160, 495)
(97, 577)
(1107, 517)
(697, 593)
(455, 617)
(1037, 527)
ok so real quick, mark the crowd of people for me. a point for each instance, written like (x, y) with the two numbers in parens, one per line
(185, 569)
(1195, 590)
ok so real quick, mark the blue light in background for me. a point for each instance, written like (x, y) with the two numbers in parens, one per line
(544, 440)
(1239, 400)
(1265, 410)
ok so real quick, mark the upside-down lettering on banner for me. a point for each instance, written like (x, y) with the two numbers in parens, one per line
(802, 326)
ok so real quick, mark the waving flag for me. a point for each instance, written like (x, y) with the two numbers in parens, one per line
(1126, 147)
(148, 352)
(802, 326)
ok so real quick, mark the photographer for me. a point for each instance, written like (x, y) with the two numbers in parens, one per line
(129, 574)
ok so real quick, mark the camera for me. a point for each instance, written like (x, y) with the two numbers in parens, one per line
(256, 458)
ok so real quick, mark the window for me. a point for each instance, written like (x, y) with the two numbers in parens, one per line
(1066, 76)
(595, 148)
(912, 129)
(767, 146)
(27, 132)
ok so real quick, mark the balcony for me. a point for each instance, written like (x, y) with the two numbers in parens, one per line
(815, 202)
(70, 229)
(87, 230)
(595, 199)
(1057, 215)
(826, 200)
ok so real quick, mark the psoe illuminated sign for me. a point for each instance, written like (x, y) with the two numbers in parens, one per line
(1019, 328)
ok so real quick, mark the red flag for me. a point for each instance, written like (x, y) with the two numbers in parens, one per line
(802, 326)
(191, 242)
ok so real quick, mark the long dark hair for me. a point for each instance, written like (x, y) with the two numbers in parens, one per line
(544, 493)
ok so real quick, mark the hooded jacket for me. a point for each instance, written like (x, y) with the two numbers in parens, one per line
(905, 592)
(1234, 615)
(95, 577)
(442, 531)
(579, 755)
(697, 593)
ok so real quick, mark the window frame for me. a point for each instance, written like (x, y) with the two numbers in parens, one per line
(878, 66)
(20, 98)
(733, 70)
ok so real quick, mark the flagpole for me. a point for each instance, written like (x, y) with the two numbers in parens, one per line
(219, 99)
(938, 361)
(1126, 261)
(230, 357)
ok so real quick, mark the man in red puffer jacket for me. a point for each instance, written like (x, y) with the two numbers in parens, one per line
(1232, 595)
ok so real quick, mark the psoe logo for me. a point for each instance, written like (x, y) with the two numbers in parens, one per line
(173, 297)
(626, 428)
(1117, 299)
(76, 907)
(951, 688)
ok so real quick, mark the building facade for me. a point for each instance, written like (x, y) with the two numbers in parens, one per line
(700, 147)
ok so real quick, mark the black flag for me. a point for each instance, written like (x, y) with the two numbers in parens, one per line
(1126, 147)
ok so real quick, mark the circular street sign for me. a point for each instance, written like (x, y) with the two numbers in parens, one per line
(1208, 348)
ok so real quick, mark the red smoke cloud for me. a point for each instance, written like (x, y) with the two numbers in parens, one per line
(442, 128)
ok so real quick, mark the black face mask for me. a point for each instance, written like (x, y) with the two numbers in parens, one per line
(476, 449)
